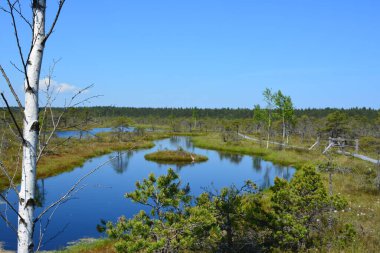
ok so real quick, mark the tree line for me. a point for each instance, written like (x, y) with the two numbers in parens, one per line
(227, 113)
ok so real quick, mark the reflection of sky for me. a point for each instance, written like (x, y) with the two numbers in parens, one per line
(88, 133)
(102, 196)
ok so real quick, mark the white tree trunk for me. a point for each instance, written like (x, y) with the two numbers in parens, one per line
(31, 129)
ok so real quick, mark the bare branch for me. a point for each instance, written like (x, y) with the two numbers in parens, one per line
(13, 118)
(56, 123)
(61, 2)
(42, 231)
(87, 99)
(49, 101)
(9, 125)
(24, 63)
(5, 10)
(19, 12)
(8, 223)
(73, 188)
(17, 68)
(52, 149)
(11, 206)
(11, 88)
(5, 172)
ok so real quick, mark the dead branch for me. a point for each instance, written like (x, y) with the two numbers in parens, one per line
(71, 190)
(49, 101)
(19, 12)
(15, 29)
(11, 88)
(61, 3)
(13, 118)
(8, 223)
(56, 123)
(12, 207)
(5, 172)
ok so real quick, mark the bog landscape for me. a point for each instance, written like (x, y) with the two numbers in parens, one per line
(198, 126)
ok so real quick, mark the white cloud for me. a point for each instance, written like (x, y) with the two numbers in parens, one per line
(56, 86)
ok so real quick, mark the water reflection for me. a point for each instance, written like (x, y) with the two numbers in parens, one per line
(234, 158)
(189, 144)
(120, 163)
(89, 133)
(266, 178)
(256, 163)
(180, 142)
(105, 200)
(287, 173)
(177, 166)
(40, 196)
(270, 172)
(175, 141)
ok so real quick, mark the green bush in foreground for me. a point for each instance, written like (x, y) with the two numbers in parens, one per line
(172, 225)
(290, 216)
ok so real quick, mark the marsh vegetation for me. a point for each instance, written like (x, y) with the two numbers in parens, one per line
(353, 180)
(178, 156)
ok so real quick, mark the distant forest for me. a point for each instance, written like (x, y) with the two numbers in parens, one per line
(227, 113)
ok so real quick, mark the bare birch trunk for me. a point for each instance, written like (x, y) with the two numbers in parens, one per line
(31, 129)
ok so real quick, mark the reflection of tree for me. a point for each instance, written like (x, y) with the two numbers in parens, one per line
(266, 179)
(180, 166)
(256, 163)
(174, 140)
(40, 196)
(81, 134)
(283, 172)
(120, 163)
(287, 174)
(278, 170)
(234, 158)
(189, 144)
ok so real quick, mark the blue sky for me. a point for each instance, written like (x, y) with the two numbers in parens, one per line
(212, 53)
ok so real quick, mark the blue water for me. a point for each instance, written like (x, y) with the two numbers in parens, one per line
(88, 133)
(102, 194)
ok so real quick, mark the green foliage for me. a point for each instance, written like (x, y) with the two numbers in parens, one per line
(172, 225)
(284, 106)
(259, 117)
(347, 235)
(336, 124)
(290, 216)
(227, 206)
(302, 211)
(231, 132)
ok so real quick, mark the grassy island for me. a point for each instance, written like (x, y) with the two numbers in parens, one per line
(175, 156)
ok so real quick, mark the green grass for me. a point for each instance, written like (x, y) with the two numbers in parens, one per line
(356, 184)
(74, 153)
(70, 155)
(174, 157)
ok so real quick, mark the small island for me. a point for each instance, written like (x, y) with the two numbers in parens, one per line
(175, 157)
